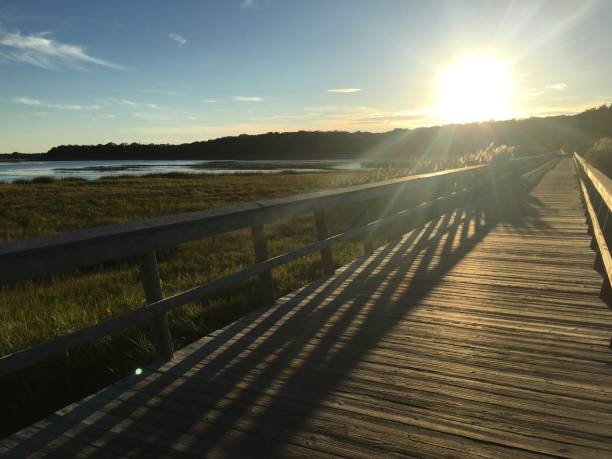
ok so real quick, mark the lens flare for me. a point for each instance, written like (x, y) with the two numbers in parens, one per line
(475, 88)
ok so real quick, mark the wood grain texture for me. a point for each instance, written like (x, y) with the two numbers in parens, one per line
(478, 334)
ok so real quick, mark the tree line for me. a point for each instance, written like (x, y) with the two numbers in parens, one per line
(528, 136)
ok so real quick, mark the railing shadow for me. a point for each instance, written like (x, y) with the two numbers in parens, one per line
(524, 216)
(249, 388)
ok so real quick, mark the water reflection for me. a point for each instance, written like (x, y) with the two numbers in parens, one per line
(91, 170)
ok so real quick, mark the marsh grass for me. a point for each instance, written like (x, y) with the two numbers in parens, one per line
(34, 311)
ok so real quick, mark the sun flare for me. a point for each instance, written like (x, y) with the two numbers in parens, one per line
(475, 88)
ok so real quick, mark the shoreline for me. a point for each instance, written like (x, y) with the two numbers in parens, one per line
(13, 172)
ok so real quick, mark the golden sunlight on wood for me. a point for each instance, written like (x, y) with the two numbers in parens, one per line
(475, 88)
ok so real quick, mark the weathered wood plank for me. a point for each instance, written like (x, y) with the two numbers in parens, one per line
(478, 334)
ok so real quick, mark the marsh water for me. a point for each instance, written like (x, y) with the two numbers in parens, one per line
(91, 170)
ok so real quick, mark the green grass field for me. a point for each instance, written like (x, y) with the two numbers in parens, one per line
(31, 312)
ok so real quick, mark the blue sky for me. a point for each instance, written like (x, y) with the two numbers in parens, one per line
(159, 71)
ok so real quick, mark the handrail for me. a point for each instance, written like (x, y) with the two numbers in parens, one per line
(596, 194)
(43, 256)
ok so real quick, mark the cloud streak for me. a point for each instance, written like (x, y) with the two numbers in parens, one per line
(152, 117)
(38, 103)
(138, 104)
(42, 51)
(179, 39)
(345, 90)
(247, 98)
(557, 86)
(407, 116)
(160, 92)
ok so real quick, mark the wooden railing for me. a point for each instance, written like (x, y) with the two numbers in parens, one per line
(415, 200)
(596, 194)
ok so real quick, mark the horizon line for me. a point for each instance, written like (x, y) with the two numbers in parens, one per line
(326, 131)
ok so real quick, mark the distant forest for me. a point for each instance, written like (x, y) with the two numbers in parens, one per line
(528, 136)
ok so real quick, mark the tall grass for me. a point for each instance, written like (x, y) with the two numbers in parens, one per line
(33, 311)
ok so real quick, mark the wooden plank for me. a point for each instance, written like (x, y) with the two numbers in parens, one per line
(376, 392)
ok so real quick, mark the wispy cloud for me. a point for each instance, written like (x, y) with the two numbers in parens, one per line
(208, 101)
(33, 115)
(247, 3)
(385, 117)
(345, 90)
(557, 86)
(339, 109)
(139, 104)
(247, 98)
(42, 51)
(277, 117)
(38, 103)
(533, 94)
(179, 39)
(160, 91)
(152, 117)
(530, 94)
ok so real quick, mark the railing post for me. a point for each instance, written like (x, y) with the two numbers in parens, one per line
(397, 229)
(446, 190)
(327, 259)
(596, 207)
(587, 215)
(260, 245)
(606, 291)
(367, 239)
(599, 211)
(149, 273)
(598, 264)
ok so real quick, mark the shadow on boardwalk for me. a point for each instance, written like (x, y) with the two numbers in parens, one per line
(262, 386)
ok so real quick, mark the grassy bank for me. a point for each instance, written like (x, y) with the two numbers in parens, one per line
(31, 312)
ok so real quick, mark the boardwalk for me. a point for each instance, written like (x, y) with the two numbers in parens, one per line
(480, 334)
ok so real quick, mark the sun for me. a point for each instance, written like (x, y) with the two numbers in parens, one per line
(475, 88)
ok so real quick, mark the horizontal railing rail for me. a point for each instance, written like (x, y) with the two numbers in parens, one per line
(41, 257)
(596, 193)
